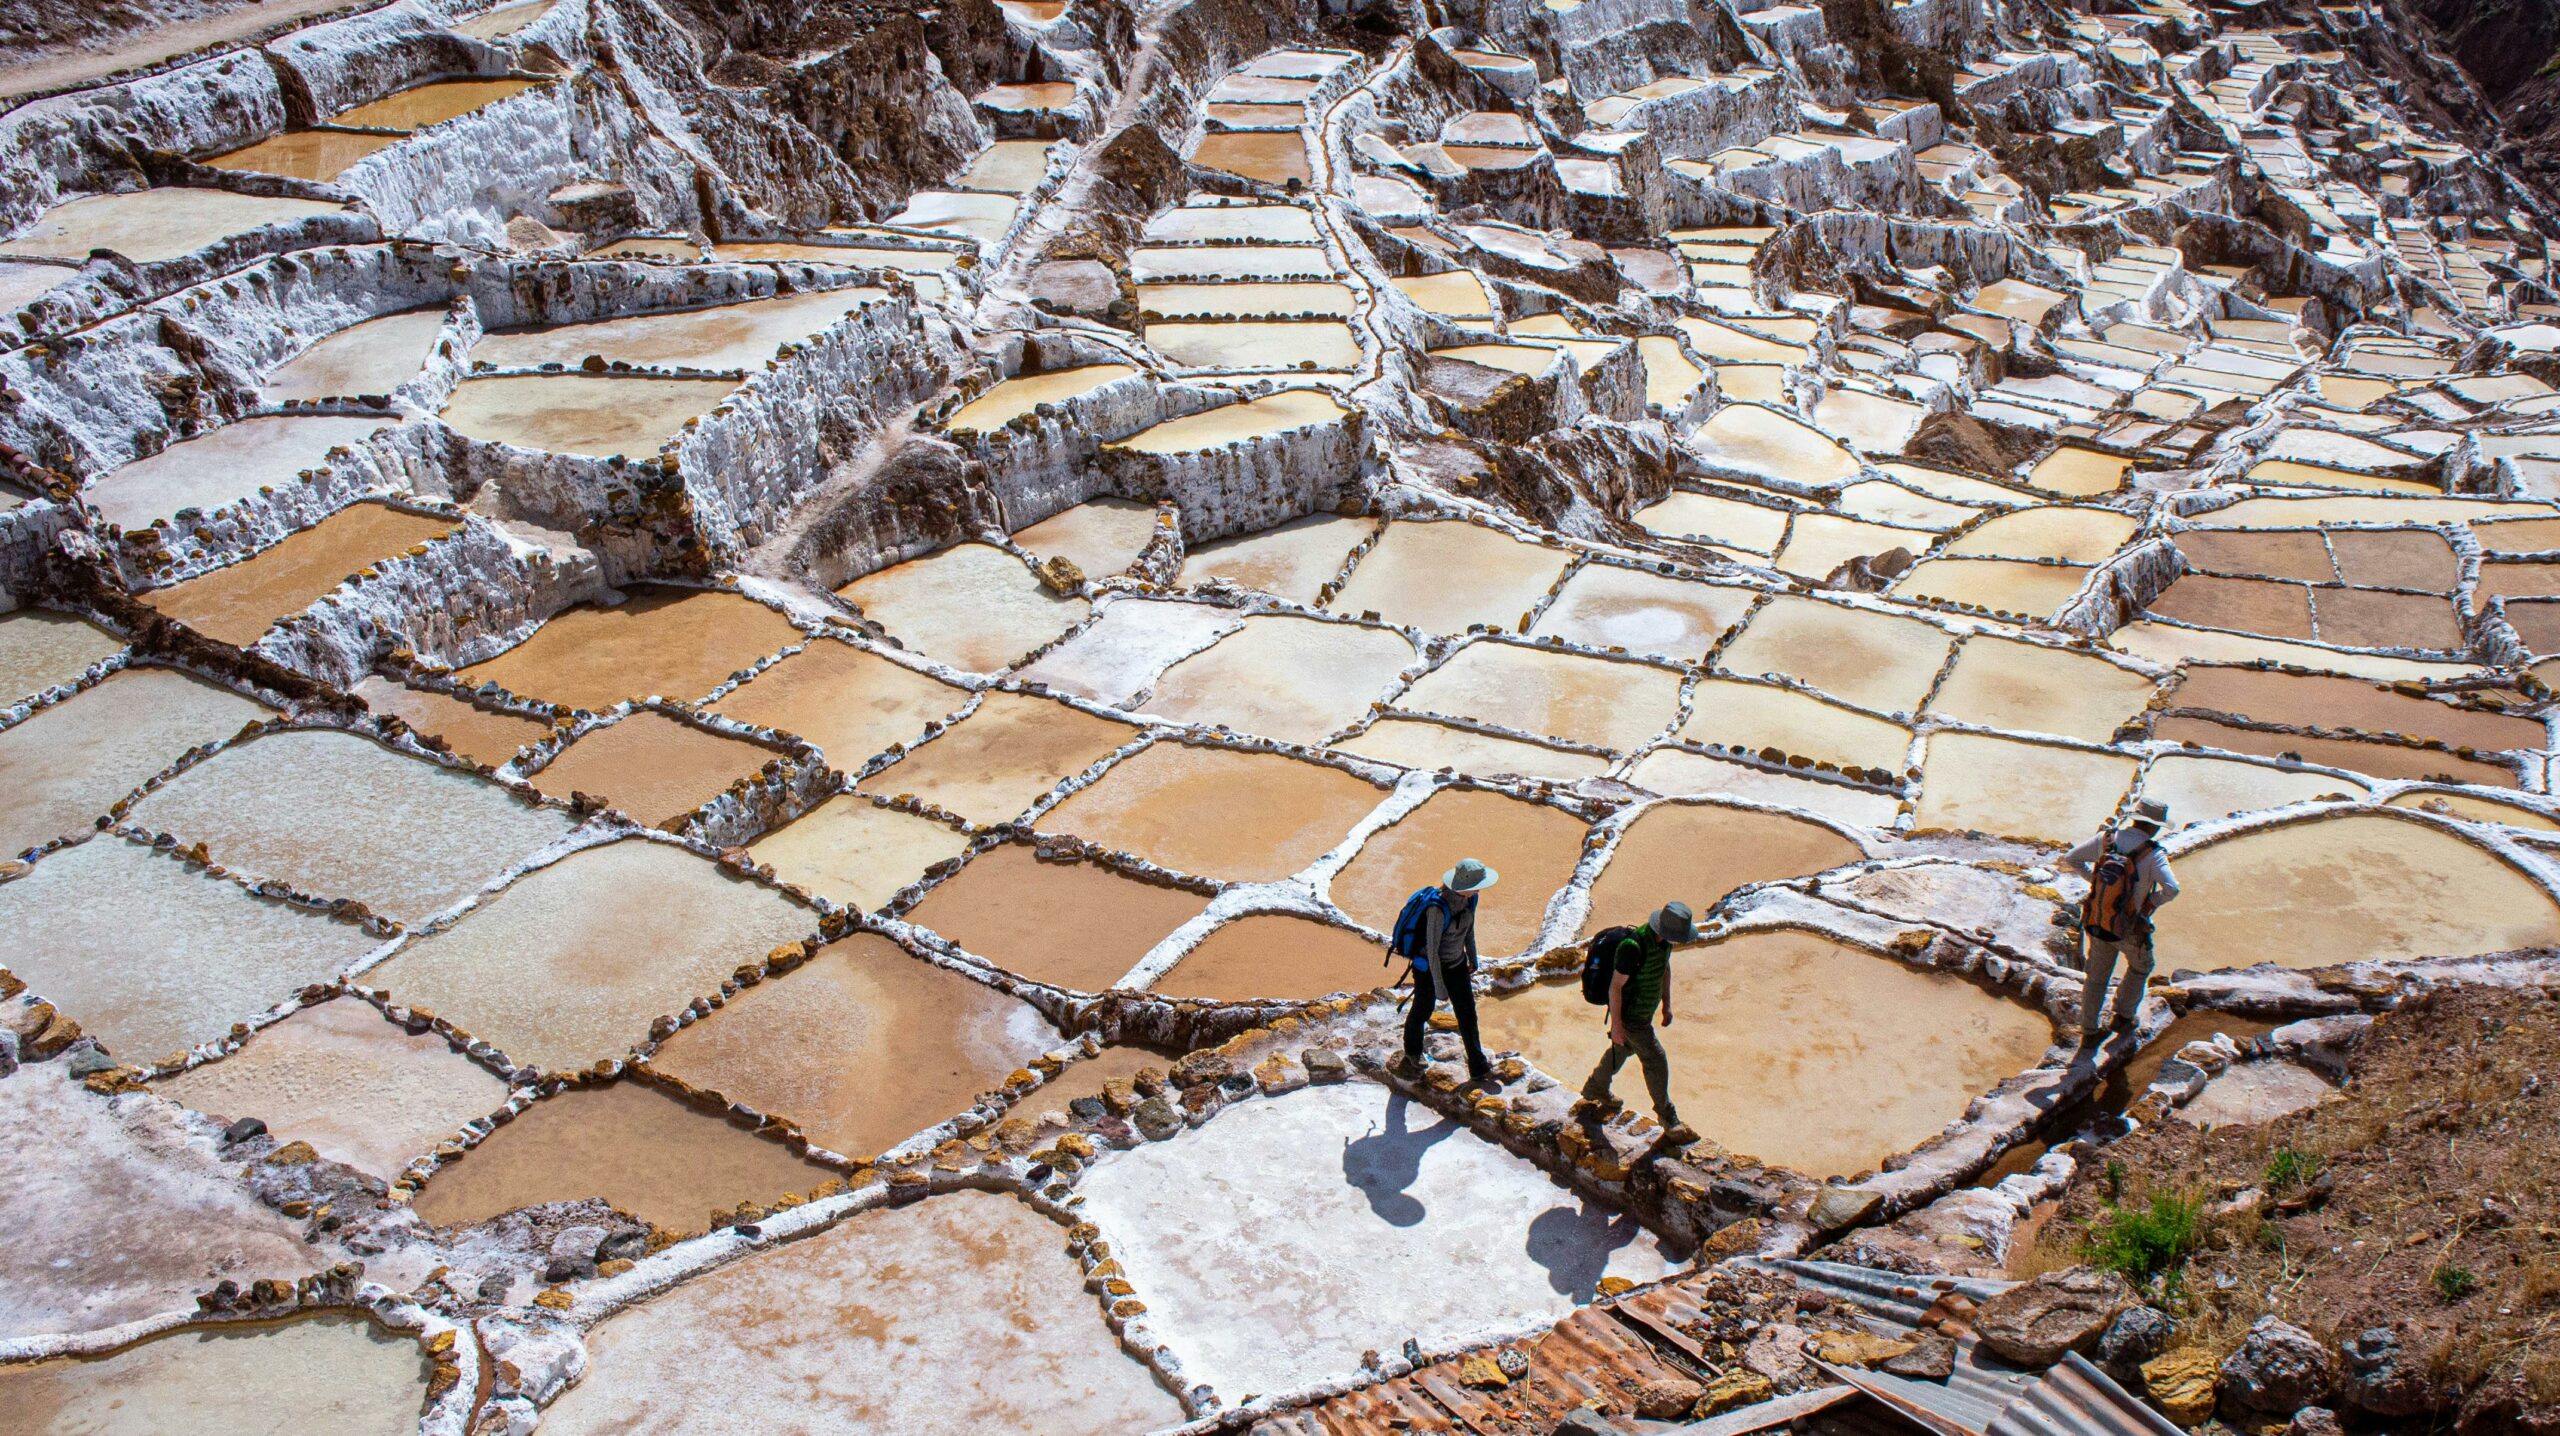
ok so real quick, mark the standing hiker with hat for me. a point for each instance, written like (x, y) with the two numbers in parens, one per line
(1436, 932)
(1639, 975)
(2129, 880)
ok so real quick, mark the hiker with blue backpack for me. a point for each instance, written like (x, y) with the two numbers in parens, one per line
(1436, 933)
(1628, 969)
(2129, 880)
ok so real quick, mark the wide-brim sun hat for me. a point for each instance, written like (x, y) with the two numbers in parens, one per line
(2151, 813)
(1469, 876)
(1672, 922)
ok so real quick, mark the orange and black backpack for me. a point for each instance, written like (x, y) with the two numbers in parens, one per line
(2108, 910)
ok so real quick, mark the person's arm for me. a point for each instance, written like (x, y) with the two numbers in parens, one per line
(2079, 858)
(2164, 883)
(1666, 987)
(1618, 1008)
(1435, 930)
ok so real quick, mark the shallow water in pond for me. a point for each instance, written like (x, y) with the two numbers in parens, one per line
(1273, 157)
(375, 356)
(2200, 789)
(1100, 536)
(340, 1076)
(1874, 660)
(1421, 743)
(219, 469)
(1212, 301)
(1277, 955)
(602, 416)
(1753, 716)
(1292, 561)
(856, 853)
(954, 1316)
(1533, 847)
(319, 155)
(729, 336)
(850, 703)
(1216, 812)
(337, 816)
(863, 1046)
(332, 1374)
(471, 731)
(1023, 393)
(2073, 535)
(652, 767)
(2079, 472)
(1603, 606)
(1760, 441)
(1233, 344)
(1296, 679)
(423, 105)
(570, 965)
(2312, 700)
(238, 603)
(66, 765)
(973, 606)
(1002, 758)
(41, 650)
(1441, 577)
(2028, 590)
(1769, 1026)
(670, 642)
(2035, 791)
(2003, 683)
(150, 225)
(1606, 703)
(643, 1150)
(1007, 167)
(1698, 852)
(1076, 925)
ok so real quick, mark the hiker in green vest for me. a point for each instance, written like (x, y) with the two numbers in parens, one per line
(2129, 880)
(1639, 983)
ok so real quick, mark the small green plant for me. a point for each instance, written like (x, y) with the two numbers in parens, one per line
(2291, 1169)
(2141, 1242)
(2115, 1180)
(2453, 1283)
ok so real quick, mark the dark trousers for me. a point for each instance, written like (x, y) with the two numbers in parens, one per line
(1645, 1045)
(1462, 1002)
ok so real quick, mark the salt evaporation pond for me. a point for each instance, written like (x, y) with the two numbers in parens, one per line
(66, 765)
(149, 225)
(1077, 925)
(652, 767)
(1698, 852)
(238, 603)
(1217, 812)
(855, 852)
(662, 642)
(599, 415)
(1295, 679)
(972, 606)
(848, 702)
(1533, 847)
(336, 1374)
(40, 650)
(1000, 759)
(1277, 955)
(221, 468)
(374, 356)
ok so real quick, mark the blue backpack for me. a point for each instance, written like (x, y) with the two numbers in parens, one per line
(1407, 940)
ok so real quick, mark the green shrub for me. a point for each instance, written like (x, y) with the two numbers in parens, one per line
(2453, 1283)
(2141, 1242)
(2291, 1169)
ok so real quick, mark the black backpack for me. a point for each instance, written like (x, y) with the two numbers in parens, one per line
(1600, 963)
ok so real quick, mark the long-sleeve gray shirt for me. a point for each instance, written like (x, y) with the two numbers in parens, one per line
(1450, 940)
(2153, 884)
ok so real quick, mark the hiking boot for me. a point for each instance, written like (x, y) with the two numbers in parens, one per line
(1679, 1134)
(1482, 1077)
(1405, 1065)
(1598, 1108)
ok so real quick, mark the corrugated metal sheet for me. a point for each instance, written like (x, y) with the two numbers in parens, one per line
(1588, 1356)
(1766, 1414)
(1898, 1297)
(2077, 1399)
(1389, 1406)
(1948, 1410)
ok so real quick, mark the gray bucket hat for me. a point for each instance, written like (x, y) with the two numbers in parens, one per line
(1673, 923)
(1468, 876)
(2151, 813)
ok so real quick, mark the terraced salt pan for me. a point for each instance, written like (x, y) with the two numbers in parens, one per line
(2056, 531)
(1293, 561)
(64, 767)
(953, 1316)
(1699, 852)
(332, 1374)
(1875, 424)
(1233, 344)
(1007, 167)
(374, 356)
(662, 642)
(2171, 644)
(40, 650)
(1603, 606)
(505, 20)
(1210, 301)
(2034, 791)
(1817, 544)
(2245, 604)
(1100, 536)
(1267, 956)
(223, 467)
(150, 225)
(569, 966)
(2476, 808)
(183, 1220)
(1769, 1030)
(337, 816)
(1752, 716)
(1076, 925)
(2030, 590)
(340, 1076)
(2199, 789)
(471, 731)
(1682, 514)
(1758, 442)
(419, 106)
(1421, 743)
(1024, 393)
(972, 605)
(2079, 473)
(2287, 513)
(1230, 261)
(2380, 758)
(1232, 223)
(1236, 423)
(238, 603)
(1596, 701)
(1891, 503)
(1534, 847)
(863, 1047)
(1876, 661)
(1120, 653)
(1000, 759)
(2351, 888)
(320, 155)
(2003, 683)
(855, 853)
(1217, 812)
(599, 415)
(730, 336)
(1457, 294)
(850, 703)
(1441, 577)
(646, 1152)
(1455, 1236)
(1273, 157)
(1296, 679)
(651, 767)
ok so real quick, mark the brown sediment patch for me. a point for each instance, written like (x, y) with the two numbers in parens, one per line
(2274, 553)
(151, 225)
(1796, 1050)
(2029, 590)
(1277, 956)
(599, 415)
(972, 605)
(2317, 700)
(2250, 605)
(1295, 679)
(40, 650)
(571, 964)
(651, 766)
(340, 1076)
(1756, 716)
(2036, 791)
(1603, 606)
(2066, 532)
(1273, 157)
(1534, 848)
(2409, 559)
(215, 470)
(862, 1047)
(643, 1150)
(1698, 852)
(2002, 683)
(2370, 618)
(151, 957)
(1442, 577)
(2201, 789)
(2477, 809)
(303, 154)
(336, 1374)
(236, 604)
(1002, 758)
(1025, 393)
(1293, 561)
(1874, 660)
(471, 731)
(419, 106)
(852, 851)
(1100, 536)
(2381, 760)
(2517, 535)
(2536, 622)
(1421, 743)
(850, 703)
(1602, 702)
(339, 816)
(662, 642)
(1076, 925)
(64, 767)
(955, 1315)
(2353, 887)
(1218, 812)
(2519, 580)
(727, 336)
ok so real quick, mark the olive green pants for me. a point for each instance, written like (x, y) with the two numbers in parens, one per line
(2098, 963)
(1646, 1047)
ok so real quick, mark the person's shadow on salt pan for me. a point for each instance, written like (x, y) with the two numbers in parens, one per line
(1385, 1164)
(1574, 1246)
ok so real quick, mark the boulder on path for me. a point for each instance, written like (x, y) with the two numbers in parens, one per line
(2278, 1368)
(2036, 1322)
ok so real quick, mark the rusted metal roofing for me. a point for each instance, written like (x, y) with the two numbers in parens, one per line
(2077, 1399)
